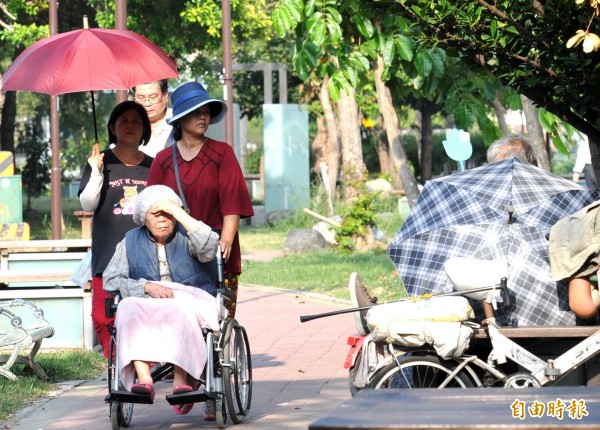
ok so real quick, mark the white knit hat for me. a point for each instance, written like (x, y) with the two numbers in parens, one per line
(148, 197)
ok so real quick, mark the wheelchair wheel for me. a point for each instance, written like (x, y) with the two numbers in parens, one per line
(220, 413)
(237, 371)
(120, 414)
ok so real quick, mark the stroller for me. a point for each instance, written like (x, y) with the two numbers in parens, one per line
(227, 376)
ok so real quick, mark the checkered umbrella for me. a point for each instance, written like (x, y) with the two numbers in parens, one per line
(503, 209)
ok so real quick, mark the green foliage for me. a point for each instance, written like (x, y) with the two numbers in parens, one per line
(24, 35)
(522, 45)
(357, 217)
(418, 72)
(253, 161)
(36, 173)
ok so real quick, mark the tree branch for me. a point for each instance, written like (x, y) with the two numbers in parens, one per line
(512, 22)
(7, 26)
(7, 12)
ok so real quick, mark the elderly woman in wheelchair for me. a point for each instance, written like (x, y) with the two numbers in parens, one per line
(168, 294)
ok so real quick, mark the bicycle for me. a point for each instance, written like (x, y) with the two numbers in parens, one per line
(421, 368)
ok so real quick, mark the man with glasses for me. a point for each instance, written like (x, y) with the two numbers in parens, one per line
(154, 97)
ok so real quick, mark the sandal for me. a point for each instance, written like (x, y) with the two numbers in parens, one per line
(209, 411)
(185, 408)
(143, 389)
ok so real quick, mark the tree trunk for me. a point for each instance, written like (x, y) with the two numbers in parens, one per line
(501, 116)
(7, 126)
(352, 156)
(426, 145)
(381, 146)
(418, 126)
(332, 146)
(392, 129)
(319, 143)
(535, 133)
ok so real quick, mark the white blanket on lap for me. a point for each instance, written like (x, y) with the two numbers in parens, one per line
(165, 330)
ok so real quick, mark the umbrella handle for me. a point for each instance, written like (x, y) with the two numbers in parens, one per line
(504, 288)
(94, 115)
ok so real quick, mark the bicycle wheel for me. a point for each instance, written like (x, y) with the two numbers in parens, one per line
(419, 372)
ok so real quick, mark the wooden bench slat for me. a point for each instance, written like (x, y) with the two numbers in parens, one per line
(50, 244)
(7, 276)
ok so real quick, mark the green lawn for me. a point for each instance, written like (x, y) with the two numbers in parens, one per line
(59, 366)
(327, 272)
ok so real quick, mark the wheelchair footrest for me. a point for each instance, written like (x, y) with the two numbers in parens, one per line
(191, 397)
(128, 397)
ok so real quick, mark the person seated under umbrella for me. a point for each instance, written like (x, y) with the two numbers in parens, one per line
(162, 260)
(509, 146)
(574, 255)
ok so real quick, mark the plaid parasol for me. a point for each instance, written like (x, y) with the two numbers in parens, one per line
(467, 215)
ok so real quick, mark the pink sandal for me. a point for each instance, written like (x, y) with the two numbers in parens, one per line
(143, 389)
(185, 408)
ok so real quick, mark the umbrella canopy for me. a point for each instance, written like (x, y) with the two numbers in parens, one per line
(499, 211)
(88, 60)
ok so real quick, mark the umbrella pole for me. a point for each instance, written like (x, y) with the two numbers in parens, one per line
(94, 115)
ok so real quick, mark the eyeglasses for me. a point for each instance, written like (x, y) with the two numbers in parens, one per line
(152, 99)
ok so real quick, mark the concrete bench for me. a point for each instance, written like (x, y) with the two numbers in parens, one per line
(19, 336)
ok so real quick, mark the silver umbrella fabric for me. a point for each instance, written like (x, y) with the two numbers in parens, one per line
(500, 210)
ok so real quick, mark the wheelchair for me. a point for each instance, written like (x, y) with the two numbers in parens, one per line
(227, 376)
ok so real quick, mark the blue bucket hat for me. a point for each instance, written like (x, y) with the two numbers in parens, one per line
(189, 97)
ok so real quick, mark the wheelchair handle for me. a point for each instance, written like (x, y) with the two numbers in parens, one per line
(228, 294)
(220, 268)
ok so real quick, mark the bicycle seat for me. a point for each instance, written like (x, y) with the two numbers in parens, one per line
(470, 273)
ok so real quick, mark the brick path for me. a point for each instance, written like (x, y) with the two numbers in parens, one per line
(298, 373)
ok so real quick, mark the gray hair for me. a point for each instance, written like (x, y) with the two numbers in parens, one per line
(509, 146)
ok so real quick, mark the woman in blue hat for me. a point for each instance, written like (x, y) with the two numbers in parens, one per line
(210, 176)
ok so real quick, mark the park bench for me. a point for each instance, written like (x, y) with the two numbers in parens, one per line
(39, 271)
(22, 330)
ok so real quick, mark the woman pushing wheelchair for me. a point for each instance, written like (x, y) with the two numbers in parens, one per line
(162, 259)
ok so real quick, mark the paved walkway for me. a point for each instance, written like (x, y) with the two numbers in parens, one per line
(298, 373)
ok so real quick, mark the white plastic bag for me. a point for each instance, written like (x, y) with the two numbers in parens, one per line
(83, 272)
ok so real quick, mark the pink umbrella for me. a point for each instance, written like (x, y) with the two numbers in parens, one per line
(88, 60)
